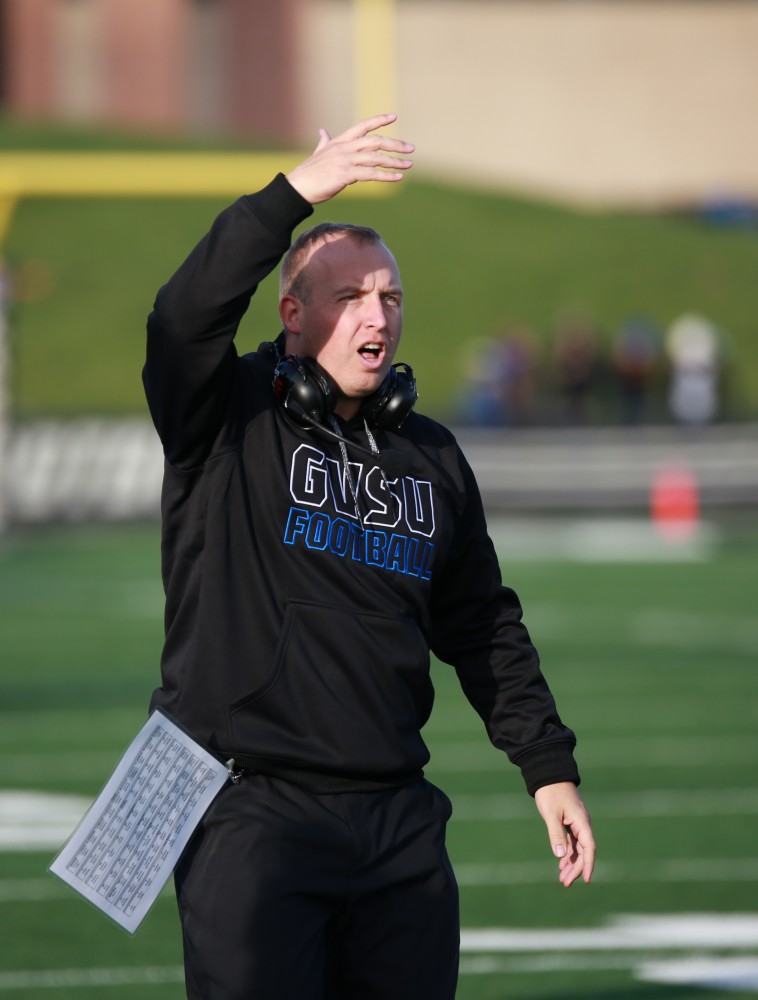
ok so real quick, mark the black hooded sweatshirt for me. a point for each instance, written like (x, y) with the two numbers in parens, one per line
(299, 629)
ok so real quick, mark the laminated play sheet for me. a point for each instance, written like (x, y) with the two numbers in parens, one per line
(123, 851)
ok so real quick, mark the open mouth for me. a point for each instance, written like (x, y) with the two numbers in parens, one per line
(371, 350)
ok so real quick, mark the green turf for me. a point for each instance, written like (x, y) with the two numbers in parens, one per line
(86, 272)
(654, 665)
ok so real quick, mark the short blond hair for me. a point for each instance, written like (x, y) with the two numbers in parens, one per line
(293, 278)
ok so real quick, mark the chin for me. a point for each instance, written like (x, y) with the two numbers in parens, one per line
(367, 386)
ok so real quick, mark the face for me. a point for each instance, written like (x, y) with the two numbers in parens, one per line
(352, 321)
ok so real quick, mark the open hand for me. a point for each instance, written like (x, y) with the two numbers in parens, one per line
(355, 155)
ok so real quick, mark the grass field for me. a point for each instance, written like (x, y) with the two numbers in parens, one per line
(654, 665)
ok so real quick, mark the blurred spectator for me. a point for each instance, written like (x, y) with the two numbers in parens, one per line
(695, 350)
(479, 405)
(632, 380)
(578, 368)
(501, 382)
(725, 209)
(636, 358)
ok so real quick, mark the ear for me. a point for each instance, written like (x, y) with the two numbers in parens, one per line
(290, 312)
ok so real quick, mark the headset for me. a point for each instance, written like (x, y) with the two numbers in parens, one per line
(309, 394)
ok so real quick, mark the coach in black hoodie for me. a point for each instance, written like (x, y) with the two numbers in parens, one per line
(320, 537)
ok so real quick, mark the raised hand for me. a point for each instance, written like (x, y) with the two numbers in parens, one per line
(357, 154)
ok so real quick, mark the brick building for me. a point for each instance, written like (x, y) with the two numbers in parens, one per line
(161, 64)
(625, 102)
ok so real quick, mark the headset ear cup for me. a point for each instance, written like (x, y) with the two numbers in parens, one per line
(302, 386)
(389, 406)
(325, 383)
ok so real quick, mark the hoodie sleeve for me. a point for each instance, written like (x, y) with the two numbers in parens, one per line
(477, 627)
(191, 358)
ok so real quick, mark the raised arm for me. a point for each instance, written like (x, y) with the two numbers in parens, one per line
(191, 365)
(191, 359)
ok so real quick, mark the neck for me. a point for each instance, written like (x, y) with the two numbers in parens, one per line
(347, 408)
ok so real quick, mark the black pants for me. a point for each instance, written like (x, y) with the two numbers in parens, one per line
(289, 895)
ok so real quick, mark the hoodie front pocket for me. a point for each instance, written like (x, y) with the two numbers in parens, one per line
(347, 686)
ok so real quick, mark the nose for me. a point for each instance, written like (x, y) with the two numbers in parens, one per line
(374, 315)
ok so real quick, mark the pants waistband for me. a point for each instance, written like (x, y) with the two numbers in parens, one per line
(313, 781)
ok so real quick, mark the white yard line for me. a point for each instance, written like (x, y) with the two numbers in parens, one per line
(634, 932)
(40, 821)
(693, 870)
(478, 874)
(738, 975)
(677, 870)
(735, 975)
(33, 979)
(634, 943)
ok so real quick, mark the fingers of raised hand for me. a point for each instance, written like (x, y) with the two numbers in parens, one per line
(360, 137)
(374, 150)
(367, 125)
(378, 165)
(372, 158)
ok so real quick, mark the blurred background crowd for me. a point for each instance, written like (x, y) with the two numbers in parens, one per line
(578, 376)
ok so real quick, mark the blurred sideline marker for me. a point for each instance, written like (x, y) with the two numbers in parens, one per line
(675, 503)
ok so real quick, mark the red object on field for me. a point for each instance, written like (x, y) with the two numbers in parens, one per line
(675, 503)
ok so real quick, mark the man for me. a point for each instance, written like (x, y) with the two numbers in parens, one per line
(319, 538)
